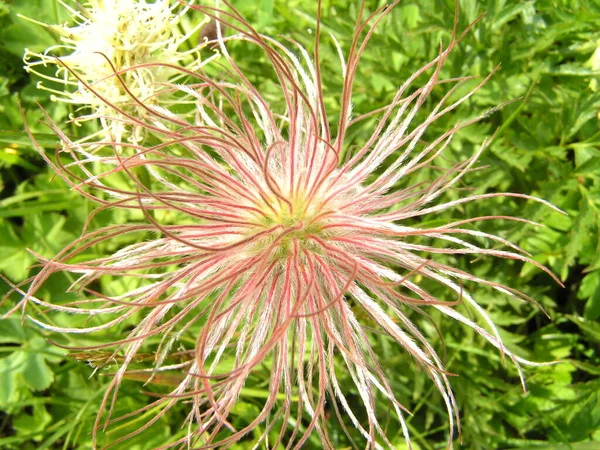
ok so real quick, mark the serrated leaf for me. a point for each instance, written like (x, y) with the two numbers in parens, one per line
(579, 235)
(11, 331)
(9, 370)
(15, 259)
(585, 417)
(586, 367)
(591, 166)
(590, 328)
(265, 16)
(35, 371)
(37, 374)
(27, 424)
(509, 13)
(592, 306)
(573, 446)
(411, 16)
(572, 70)
(27, 369)
(588, 285)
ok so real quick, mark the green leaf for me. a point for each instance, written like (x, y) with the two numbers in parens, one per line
(9, 371)
(590, 291)
(573, 446)
(410, 15)
(8, 157)
(591, 166)
(11, 330)
(27, 369)
(36, 373)
(265, 16)
(511, 12)
(572, 70)
(586, 367)
(20, 139)
(580, 234)
(589, 328)
(27, 424)
(15, 259)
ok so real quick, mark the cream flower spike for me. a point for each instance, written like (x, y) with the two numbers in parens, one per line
(134, 38)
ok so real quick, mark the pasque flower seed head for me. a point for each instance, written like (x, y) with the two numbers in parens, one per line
(276, 244)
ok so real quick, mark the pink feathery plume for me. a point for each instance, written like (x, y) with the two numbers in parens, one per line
(269, 239)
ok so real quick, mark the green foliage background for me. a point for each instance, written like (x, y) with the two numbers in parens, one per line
(547, 144)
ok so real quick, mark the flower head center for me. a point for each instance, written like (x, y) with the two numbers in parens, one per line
(292, 223)
(289, 215)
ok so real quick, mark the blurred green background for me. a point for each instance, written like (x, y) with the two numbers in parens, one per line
(547, 145)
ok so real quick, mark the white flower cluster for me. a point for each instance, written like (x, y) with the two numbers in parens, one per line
(132, 38)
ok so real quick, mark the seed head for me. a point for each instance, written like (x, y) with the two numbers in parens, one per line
(280, 245)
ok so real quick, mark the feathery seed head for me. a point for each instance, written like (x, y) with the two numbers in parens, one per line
(275, 250)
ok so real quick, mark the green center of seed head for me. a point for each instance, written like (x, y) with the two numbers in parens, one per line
(297, 224)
